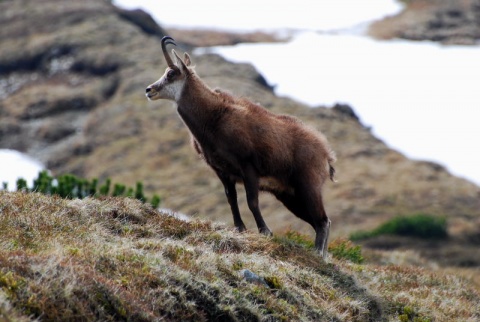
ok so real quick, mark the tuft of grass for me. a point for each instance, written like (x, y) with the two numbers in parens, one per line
(273, 282)
(418, 225)
(294, 238)
(345, 249)
(339, 248)
(409, 314)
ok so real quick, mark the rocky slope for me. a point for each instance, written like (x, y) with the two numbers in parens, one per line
(445, 21)
(72, 82)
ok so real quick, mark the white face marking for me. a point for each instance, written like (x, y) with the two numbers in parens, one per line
(175, 89)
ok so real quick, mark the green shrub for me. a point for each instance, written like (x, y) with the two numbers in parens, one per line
(119, 190)
(70, 186)
(418, 225)
(22, 184)
(105, 188)
(139, 192)
(155, 201)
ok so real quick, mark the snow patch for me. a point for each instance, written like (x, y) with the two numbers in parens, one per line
(15, 165)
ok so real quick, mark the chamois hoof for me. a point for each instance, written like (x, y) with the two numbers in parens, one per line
(326, 258)
(265, 231)
(240, 229)
(323, 253)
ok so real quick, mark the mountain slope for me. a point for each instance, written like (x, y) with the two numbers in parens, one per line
(445, 21)
(72, 82)
(117, 259)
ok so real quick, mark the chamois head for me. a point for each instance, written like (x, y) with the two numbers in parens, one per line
(170, 85)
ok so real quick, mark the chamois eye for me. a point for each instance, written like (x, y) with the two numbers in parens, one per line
(171, 73)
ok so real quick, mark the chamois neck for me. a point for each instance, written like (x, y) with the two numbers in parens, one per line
(195, 92)
(199, 108)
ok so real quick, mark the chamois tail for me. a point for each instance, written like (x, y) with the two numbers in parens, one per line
(332, 172)
(331, 159)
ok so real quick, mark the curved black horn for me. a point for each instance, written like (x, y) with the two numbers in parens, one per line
(165, 41)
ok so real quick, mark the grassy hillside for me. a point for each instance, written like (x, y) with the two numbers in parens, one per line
(117, 259)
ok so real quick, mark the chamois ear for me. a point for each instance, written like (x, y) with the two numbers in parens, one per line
(186, 59)
(180, 62)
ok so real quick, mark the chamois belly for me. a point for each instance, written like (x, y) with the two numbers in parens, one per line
(223, 164)
(274, 186)
(267, 183)
(270, 184)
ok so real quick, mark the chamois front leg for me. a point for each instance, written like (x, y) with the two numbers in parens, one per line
(250, 181)
(231, 193)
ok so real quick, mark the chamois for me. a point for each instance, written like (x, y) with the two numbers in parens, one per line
(245, 143)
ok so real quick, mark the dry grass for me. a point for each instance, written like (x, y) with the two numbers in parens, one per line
(118, 259)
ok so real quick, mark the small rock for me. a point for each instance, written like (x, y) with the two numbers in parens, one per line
(251, 277)
(346, 110)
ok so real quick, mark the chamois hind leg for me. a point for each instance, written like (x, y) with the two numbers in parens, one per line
(321, 239)
(309, 192)
(299, 208)
(294, 204)
(250, 181)
(231, 193)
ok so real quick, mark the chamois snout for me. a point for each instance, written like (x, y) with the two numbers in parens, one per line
(158, 90)
(167, 87)
(150, 92)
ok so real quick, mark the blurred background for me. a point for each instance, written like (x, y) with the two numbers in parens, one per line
(392, 84)
(406, 90)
